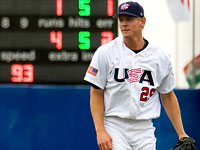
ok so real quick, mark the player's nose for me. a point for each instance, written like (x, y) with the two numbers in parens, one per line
(123, 23)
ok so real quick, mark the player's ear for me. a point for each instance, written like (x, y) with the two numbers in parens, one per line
(143, 22)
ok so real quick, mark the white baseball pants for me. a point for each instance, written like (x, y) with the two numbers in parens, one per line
(131, 134)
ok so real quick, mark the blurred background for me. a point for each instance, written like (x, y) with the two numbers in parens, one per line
(45, 49)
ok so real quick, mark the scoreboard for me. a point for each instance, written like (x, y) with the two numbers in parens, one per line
(52, 41)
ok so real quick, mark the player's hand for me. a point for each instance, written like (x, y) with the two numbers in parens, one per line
(104, 140)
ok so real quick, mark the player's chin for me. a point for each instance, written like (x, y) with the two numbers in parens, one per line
(126, 34)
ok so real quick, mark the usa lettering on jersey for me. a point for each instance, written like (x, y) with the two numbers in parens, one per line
(140, 76)
(134, 75)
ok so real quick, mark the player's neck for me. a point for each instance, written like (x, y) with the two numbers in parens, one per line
(134, 43)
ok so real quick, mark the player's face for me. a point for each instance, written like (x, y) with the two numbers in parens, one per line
(131, 26)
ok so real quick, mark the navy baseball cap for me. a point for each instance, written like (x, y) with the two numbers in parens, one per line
(130, 8)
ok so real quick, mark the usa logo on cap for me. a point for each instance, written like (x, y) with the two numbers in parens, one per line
(124, 6)
(130, 8)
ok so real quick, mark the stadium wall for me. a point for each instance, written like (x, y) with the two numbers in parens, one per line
(45, 117)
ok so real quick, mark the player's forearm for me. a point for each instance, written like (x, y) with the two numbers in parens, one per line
(97, 108)
(171, 106)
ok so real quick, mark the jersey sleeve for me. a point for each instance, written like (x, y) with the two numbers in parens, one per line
(96, 72)
(168, 81)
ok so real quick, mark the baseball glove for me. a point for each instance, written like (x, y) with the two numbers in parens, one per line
(185, 143)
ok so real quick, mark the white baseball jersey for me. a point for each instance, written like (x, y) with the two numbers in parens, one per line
(131, 81)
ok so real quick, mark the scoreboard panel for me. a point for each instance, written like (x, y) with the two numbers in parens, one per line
(52, 41)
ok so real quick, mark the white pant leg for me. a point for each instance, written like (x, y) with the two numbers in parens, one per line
(131, 134)
(114, 128)
(141, 135)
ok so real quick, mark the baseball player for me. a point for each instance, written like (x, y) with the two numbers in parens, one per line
(126, 75)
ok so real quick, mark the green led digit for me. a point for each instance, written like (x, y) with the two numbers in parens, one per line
(84, 7)
(84, 40)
